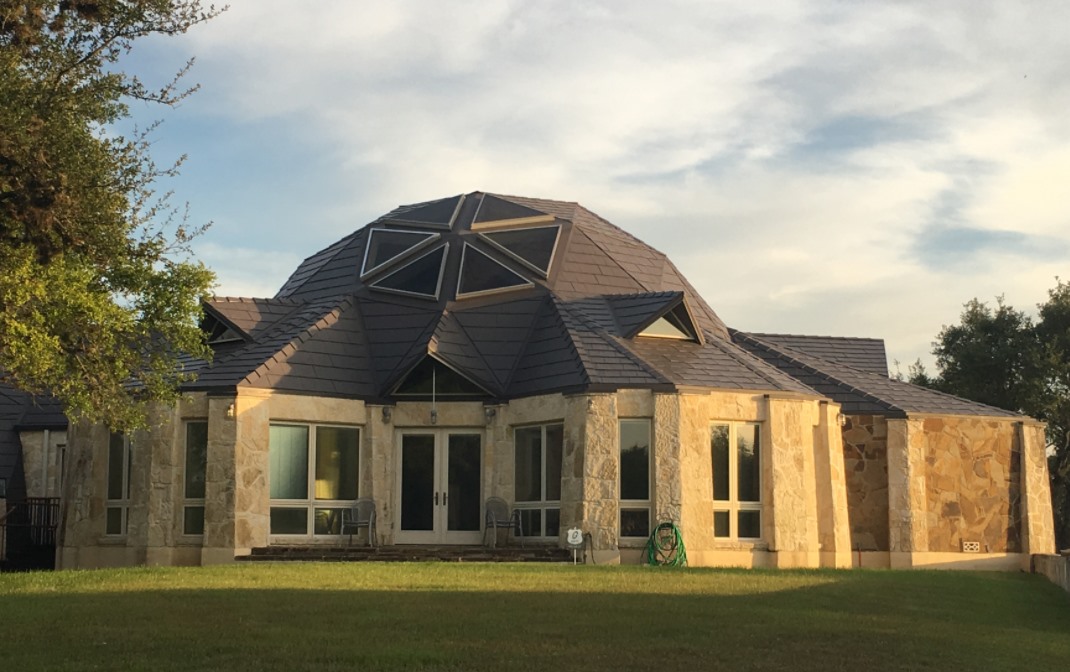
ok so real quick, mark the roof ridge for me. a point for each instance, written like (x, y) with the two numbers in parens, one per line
(325, 320)
(757, 366)
(456, 324)
(254, 299)
(838, 338)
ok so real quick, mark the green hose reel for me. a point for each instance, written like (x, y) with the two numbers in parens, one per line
(665, 547)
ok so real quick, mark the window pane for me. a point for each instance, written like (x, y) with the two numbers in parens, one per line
(288, 468)
(417, 277)
(635, 459)
(553, 523)
(750, 524)
(116, 452)
(719, 456)
(480, 273)
(535, 246)
(720, 524)
(196, 459)
(114, 524)
(528, 469)
(463, 474)
(555, 438)
(327, 521)
(193, 520)
(635, 523)
(749, 486)
(384, 245)
(289, 521)
(531, 522)
(337, 462)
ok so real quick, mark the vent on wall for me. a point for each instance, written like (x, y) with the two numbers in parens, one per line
(971, 547)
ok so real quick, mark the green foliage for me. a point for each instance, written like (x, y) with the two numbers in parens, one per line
(97, 286)
(1002, 358)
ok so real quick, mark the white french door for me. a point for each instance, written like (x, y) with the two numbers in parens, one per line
(439, 489)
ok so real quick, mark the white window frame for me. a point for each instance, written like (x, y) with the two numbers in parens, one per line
(543, 504)
(634, 504)
(733, 505)
(310, 503)
(123, 503)
(187, 501)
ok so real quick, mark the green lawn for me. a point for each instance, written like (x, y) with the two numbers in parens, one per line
(527, 617)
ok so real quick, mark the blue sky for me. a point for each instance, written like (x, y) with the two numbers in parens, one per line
(837, 168)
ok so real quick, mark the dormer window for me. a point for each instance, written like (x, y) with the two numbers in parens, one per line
(674, 324)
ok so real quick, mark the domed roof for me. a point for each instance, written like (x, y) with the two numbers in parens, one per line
(480, 296)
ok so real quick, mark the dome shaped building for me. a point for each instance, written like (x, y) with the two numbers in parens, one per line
(484, 347)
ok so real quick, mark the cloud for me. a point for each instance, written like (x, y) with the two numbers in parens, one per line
(849, 168)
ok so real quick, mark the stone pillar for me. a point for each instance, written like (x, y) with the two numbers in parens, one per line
(908, 526)
(219, 491)
(252, 502)
(1038, 531)
(84, 493)
(161, 443)
(592, 455)
(792, 530)
(833, 526)
(379, 458)
(668, 489)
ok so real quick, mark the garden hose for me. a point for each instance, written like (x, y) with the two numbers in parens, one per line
(666, 546)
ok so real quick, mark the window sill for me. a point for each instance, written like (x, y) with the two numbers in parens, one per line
(740, 545)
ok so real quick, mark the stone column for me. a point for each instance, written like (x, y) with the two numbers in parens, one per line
(908, 528)
(380, 468)
(668, 489)
(592, 450)
(833, 526)
(219, 491)
(792, 530)
(1038, 531)
(161, 443)
(84, 494)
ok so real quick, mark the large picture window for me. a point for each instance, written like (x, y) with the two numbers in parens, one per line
(635, 478)
(538, 478)
(736, 456)
(194, 478)
(314, 471)
(117, 508)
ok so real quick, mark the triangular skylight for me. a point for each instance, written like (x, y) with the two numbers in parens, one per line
(421, 277)
(482, 275)
(533, 247)
(217, 331)
(494, 211)
(439, 214)
(674, 324)
(431, 378)
(386, 245)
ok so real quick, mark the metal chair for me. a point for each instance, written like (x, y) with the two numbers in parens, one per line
(498, 515)
(361, 515)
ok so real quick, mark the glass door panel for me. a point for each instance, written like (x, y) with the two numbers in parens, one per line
(418, 482)
(463, 477)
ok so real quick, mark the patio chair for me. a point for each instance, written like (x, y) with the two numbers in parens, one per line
(361, 515)
(498, 515)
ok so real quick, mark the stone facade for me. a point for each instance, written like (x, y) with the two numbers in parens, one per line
(43, 454)
(865, 461)
(913, 488)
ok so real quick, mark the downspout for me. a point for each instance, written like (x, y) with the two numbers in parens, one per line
(44, 463)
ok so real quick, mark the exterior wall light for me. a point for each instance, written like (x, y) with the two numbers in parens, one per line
(842, 419)
(434, 416)
(387, 413)
(489, 412)
(230, 411)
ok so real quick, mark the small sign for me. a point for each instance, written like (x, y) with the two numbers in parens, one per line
(574, 537)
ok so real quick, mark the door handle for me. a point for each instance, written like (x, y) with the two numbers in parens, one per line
(444, 496)
(436, 499)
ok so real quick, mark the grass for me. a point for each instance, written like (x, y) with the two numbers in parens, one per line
(526, 617)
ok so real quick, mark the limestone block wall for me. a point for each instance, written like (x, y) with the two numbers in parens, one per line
(792, 525)
(972, 477)
(43, 453)
(833, 521)
(865, 461)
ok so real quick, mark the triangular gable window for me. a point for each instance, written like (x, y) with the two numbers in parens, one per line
(217, 331)
(674, 324)
(432, 378)
(386, 245)
(494, 211)
(532, 247)
(480, 275)
(439, 214)
(421, 277)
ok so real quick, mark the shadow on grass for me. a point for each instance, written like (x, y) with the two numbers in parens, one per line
(870, 621)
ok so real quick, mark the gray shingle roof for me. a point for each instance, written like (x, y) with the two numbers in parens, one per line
(327, 332)
(861, 353)
(860, 391)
